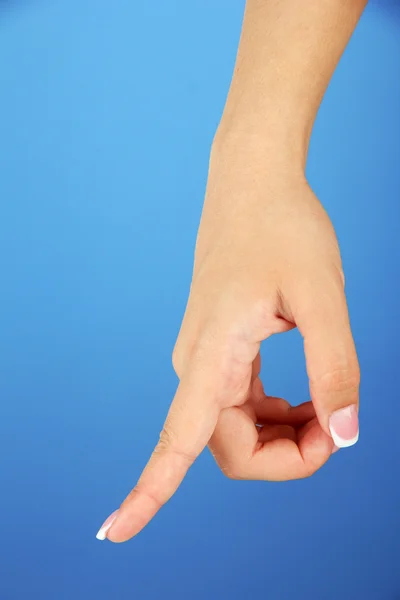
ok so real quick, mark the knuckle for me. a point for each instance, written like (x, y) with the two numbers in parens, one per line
(168, 443)
(153, 496)
(186, 352)
(167, 440)
(265, 311)
(164, 441)
(224, 360)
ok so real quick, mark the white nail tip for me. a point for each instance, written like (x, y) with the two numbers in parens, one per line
(342, 443)
(102, 533)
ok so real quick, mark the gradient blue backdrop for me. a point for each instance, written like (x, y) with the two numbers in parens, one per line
(107, 111)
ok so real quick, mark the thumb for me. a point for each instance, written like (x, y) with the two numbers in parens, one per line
(190, 423)
(332, 365)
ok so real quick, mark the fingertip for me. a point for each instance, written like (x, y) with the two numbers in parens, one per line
(120, 532)
(135, 513)
(117, 537)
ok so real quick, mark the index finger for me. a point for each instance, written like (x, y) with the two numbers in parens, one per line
(189, 425)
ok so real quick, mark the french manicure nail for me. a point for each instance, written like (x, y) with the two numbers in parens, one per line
(102, 533)
(343, 426)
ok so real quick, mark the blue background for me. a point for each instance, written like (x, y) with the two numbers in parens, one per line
(107, 112)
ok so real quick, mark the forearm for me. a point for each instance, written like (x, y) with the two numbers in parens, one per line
(287, 54)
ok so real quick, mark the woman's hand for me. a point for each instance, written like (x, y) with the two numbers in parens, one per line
(266, 260)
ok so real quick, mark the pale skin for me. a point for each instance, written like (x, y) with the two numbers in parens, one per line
(267, 260)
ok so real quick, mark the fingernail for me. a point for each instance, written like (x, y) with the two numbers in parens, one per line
(343, 426)
(102, 533)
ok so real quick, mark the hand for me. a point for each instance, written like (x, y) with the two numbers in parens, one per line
(266, 260)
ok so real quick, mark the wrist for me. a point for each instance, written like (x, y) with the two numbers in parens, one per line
(255, 145)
